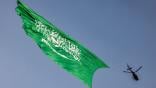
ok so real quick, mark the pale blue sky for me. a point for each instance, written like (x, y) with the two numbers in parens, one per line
(118, 31)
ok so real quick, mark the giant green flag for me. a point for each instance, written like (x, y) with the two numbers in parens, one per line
(58, 46)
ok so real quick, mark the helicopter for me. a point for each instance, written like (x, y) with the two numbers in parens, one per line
(133, 72)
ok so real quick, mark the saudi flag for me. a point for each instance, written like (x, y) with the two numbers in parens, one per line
(58, 46)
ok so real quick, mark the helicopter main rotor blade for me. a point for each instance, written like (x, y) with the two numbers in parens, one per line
(138, 69)
(126, 71)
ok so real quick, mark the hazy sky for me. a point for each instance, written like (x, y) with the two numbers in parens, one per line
(117, 31)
